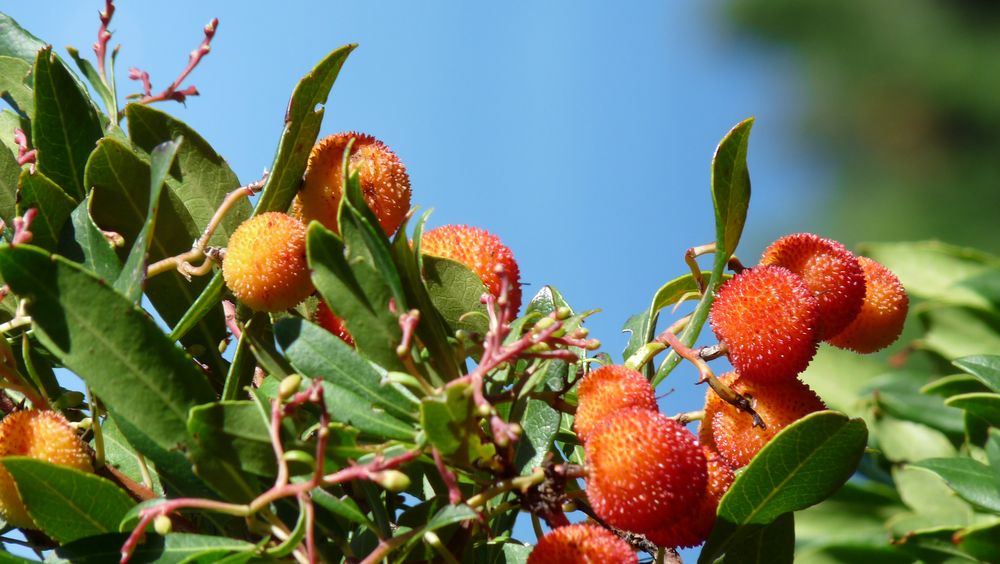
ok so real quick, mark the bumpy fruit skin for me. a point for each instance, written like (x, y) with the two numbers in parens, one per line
(694, 528)
(384, 181)
(778, 403)
(766, 316)
(480, 251)
(265, 264)
(830, 271)
(43, 435)
(328, 320)
(644, 470)
(881, 318)
(582, 544)
(607, 390)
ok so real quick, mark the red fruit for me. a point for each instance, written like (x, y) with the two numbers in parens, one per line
(265, 264)
(328, 320)
(42, 435)
(694, 528)
(880, 321)
(766, 316)
(480, 251)
(607, 390)
(778, 403)
(582, 544)
(644, 469)
(384, 181)
(830, 271)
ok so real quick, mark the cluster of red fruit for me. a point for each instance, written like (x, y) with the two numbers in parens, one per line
(649, 475)
(265, 264)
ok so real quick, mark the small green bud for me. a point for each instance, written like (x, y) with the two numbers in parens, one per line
(544, 323)
(163, 525)
(289, 386)
(563, 313)
(392, 480)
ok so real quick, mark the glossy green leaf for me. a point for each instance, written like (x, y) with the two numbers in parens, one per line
(972, 480)
(803, 465)
(955, 332)
(433, 330)
(120, 203)
(171, 549)
(981, 542)
(731, 187)
(9, 121)
(984, 367)
(302, 123)
(358, 393)
(931, 502)
(854, 515)
(15, 41)
(933, 545)
(118, 453)
(66, 126)
(643, 326)
(446, 419)
(8, 558)
(343, 507)
(456, 292)
(84, 243)
(953, 385)
(235, 432)
(121, 353)
(540, 423)
(375, 330)
(907, 441)
(14, 85)
(851, 552)
(243, 365)
(839, 377)
(773, 543)
(10, 174)
(66, 503)
(984, 405)
(94, 78)
(993, 449)
(898, 395)
(935, 270)
(53, 205)
(200, 177)
(133, 275)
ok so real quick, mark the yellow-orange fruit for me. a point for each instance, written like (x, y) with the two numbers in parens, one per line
(694, 528)
(881, 318)
(43, 435)
(384, 181)
(480, 251)
(265, 264)
(582, 544)
(644, 470)
(766, 316)
(328, 320)
(607, 390)
(779, 404)
(830, 271)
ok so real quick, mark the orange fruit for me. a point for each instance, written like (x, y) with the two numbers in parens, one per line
(480, 251)
(880, 321)
(582, 544)
(607, 390)
(265, 265)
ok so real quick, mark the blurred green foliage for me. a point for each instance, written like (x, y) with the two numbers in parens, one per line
(901, 97)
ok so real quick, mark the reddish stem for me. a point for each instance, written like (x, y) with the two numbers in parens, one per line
(103, 37)
(172, 92)
(454, 494)
(22, 228)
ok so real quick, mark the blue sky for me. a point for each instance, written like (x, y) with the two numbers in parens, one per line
(580, 133)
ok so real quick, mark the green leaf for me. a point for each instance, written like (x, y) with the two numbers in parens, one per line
(731, 187)
(343, 507)
(94, 78)
(955, 332)
(993, 449)
(972, 480)
(120, 352)
(120, 203)
(171, 549)
(765, 544)
(984, 367)
(302, 123)
(953, 385)
(643, 325)
(15, 41)
(13, 84)
(9, 121)
(934, 270)
(897, 394)
(119, 454)
(981, 541)
(357, 393)
(856, 514)
(200, 177)
(906, 441)
(133, 274)
(852, 552)
(801, 466)
(8, 558)
(375, 330)
(53, 205)
(66, 503)
(446, 418)
(84, 243)
(456, 292)
(839, 377)
(933, 503)
(66, 126)
(233, 439)
(984, 405)
(540, 423)
(10, 174)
